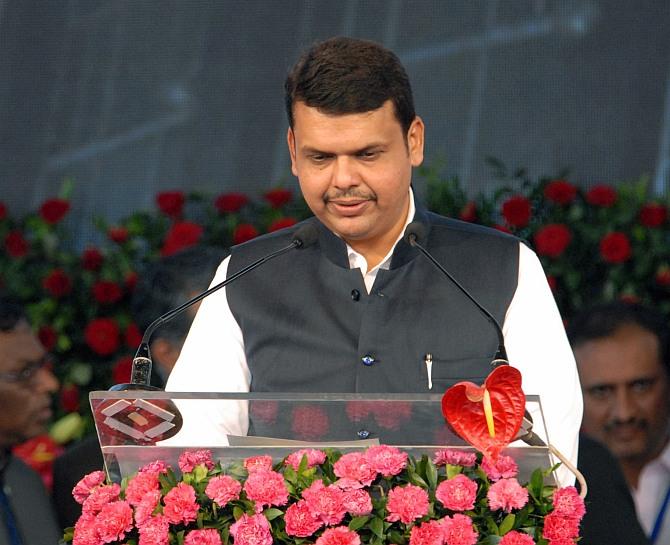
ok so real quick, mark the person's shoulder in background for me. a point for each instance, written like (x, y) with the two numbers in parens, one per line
(610, 511)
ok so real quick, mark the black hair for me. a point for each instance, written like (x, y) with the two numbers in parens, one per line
(11, 313)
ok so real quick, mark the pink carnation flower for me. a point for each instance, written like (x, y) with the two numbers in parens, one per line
(254, 463)
(357, 502)
(507, 494)
(155, 531)
(251, 530)
(146, 507)
(326, 502)
(180, 505)
(192, 458)
(84, 530)
(140, 485)
(458, 493)
(208, 536)
(340, 535)
(388, 461)
(300, 520)
(101, 496)
(157, 467)
(113, 521)
(428, 533)
(406, 503)
(459, 530)
(558, 528)
(222, 489)
(503, 468)
(516, 538)
(568, 503)
(354, 466)
(266, 487)
(454, 458)
(83, 488)
(314, 457)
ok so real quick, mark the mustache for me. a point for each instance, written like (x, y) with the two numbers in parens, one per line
(350, 194)
(637, 423)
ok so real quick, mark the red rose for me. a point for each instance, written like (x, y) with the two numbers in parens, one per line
(653, 214)
(48, 337)
(102, 336)
(229, 203)
(181, 235)
(132, 336)
(15, 244)
(3, 211)
(278, 197)
(516, 211)
(553, 283)
(552, 239)
(171, 203)
(106, 292)
(69, 398)
(663, 276)
(601, 195)
(469, 212)
(57, 283)
(53, 210)
(121, 370)
(244, 232)
(131, 280)
(91, 259)
(502, 229)
(281, 223)
(615, 247)
(118, 234)
(560, 192)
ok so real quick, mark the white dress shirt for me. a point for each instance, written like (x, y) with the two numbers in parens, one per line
(213, 357)
(652, 488)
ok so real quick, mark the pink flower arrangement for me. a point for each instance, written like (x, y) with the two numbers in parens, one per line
(324, 497)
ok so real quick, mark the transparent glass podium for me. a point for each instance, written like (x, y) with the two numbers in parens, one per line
(136, 427)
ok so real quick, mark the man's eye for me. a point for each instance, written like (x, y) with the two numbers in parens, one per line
(367, 155)
(318, 157)
(642, 385)
(599, 392)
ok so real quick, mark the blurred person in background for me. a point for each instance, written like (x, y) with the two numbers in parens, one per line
(26, 388)
(622, 353)
(163, 286)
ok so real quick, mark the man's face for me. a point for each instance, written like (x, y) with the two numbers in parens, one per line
(355, 170)
(626, 391)
(24, 404)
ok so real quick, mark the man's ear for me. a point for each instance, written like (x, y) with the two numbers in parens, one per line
(415, 139)
(290, 140)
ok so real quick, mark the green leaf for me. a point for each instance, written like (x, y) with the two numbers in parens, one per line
(377, 527)
(237, 512)
(507, 524)
(431, 474)
(272, 513)
(357, 523)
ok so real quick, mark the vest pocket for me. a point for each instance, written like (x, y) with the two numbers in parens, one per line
(447, 372)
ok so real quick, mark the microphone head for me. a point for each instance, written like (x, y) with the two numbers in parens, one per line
(415, 233)
(305, 235)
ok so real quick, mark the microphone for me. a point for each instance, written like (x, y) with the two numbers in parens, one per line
(304, 236)
(415, 233)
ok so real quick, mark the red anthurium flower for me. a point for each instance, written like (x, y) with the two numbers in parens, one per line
(516, 211)
(228, 203)
(281, 223)
(615, 247)
(278, 197)
(54, 210)
(601, 195)
(57, 283)
(171, 203)
(464, 408)
(552, 240)
(560, 192)
(15, 244)
(653, 214)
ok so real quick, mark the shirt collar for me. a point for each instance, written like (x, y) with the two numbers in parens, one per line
(357, 261)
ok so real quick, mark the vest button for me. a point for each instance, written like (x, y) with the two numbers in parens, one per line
(363, 434)
(368, 360)
(355, 295)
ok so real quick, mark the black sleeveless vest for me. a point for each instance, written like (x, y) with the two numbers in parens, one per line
(309, 324)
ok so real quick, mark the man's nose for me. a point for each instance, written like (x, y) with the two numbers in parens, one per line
(46, 381)
(345, 173)
(624, 407)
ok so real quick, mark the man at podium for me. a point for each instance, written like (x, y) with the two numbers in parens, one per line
(360, 309)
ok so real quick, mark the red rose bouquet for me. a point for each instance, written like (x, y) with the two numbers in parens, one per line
(378, 496)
